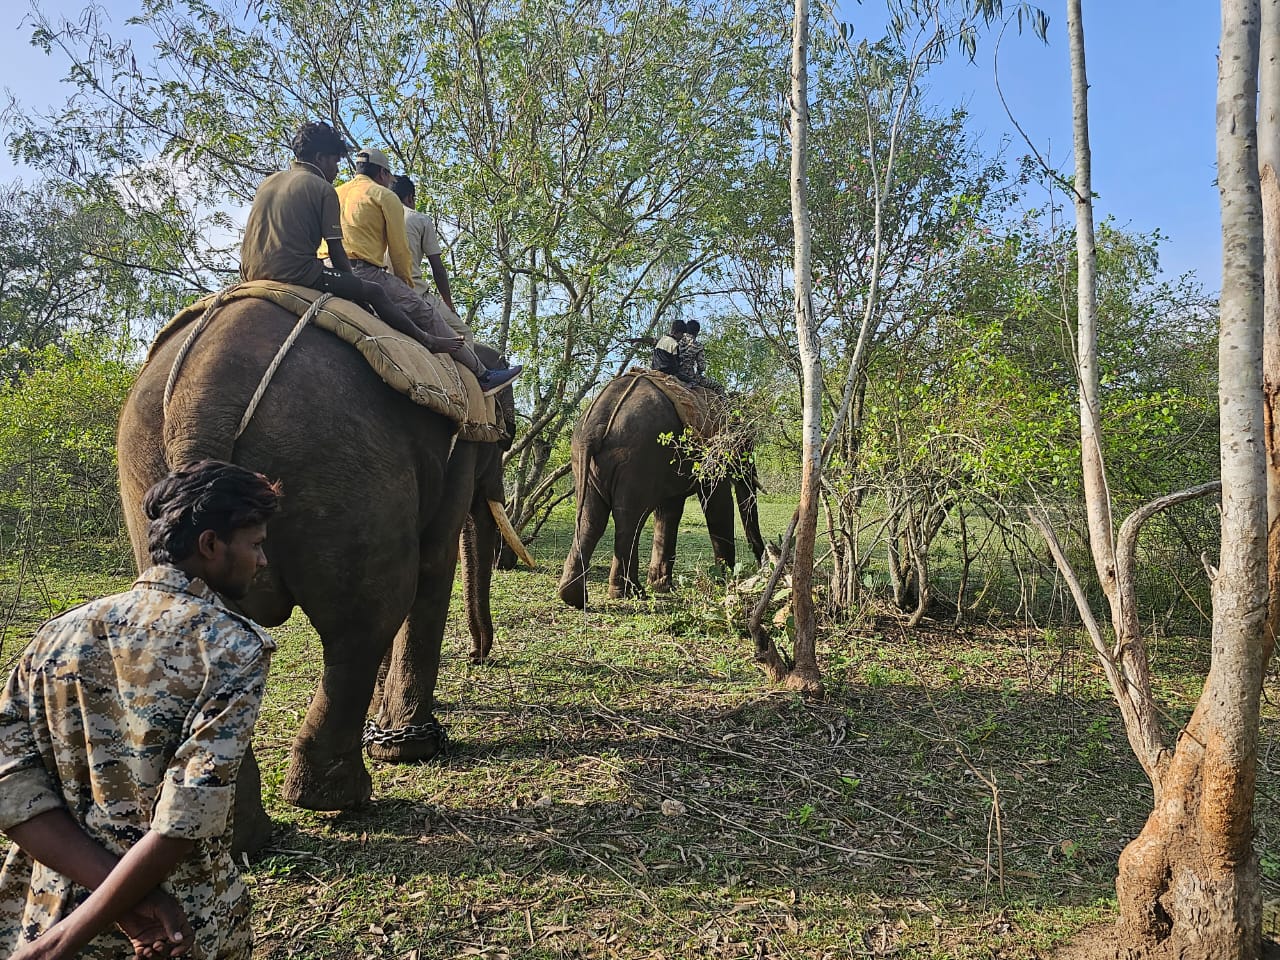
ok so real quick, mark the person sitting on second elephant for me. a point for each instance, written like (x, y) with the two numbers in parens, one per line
(372, 228)
(693, 359)
(666, 352)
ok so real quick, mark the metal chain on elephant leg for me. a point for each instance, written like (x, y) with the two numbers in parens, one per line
(381, 736)
(296, 332)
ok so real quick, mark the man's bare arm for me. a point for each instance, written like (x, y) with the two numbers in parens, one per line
(440, 275)
(56, 840)
(139, 872)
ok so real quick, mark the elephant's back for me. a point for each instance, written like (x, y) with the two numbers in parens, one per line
(621, 437)
(322, 397)
(629, 410)
(360, 464)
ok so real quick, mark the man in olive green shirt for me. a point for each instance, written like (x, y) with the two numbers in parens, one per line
(293, 212)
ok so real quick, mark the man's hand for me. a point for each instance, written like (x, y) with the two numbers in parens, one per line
(157, 927)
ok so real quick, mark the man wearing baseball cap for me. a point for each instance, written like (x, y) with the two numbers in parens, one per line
(372, 228)
(293, 212)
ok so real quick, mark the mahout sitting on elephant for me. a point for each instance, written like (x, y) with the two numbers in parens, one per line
(377, 491)
(625, 464)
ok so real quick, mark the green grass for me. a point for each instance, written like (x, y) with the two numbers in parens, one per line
(624, 784)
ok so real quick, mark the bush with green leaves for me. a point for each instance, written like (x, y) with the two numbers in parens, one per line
(58, 443)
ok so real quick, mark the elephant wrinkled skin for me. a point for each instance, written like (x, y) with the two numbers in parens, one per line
(376, 493)
(621, 467)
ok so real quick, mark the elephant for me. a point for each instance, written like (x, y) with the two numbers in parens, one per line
(620, 466)
(378, 498)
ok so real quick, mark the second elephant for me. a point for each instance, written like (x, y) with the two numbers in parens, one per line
(622, 467)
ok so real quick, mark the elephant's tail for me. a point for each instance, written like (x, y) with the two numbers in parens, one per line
(586, 473)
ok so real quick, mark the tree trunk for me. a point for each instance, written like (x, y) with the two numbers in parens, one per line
(1097, 494)
(1128, 665)
(1269, 170)
(1189, 885)
(804, 674)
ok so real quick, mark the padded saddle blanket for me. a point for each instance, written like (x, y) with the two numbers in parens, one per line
(437, 382)
(702, 411)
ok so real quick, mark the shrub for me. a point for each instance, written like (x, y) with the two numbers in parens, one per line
(58, 444)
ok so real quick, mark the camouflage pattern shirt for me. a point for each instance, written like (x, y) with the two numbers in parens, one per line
(134, 712)
(693, 359)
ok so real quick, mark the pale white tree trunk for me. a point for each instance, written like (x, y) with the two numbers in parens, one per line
(1269, 170)
(1189, 884)
(801, 536)
(1127, 664)
(804, 674)
(1097, 497)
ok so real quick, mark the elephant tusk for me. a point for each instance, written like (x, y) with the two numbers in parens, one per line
(509, 532)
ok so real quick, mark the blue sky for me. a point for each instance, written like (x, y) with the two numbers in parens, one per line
(1152, 70)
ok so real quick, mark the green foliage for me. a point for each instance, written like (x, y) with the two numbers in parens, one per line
(973, 416)
(73, 262)
(57, 444)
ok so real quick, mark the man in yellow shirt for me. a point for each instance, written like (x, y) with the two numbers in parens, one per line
(372, 228)
(296, 210)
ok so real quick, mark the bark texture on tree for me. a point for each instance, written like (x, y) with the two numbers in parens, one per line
(1128, 666)
(1269, 170)
(804, 672)
(1189, 885)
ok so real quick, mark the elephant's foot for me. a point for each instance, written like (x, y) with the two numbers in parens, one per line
(660, 576)
(414, 743)
(252, 832)
(574, 592)
(625, 590)
(480, 653)
(804, 680)
(340, 783)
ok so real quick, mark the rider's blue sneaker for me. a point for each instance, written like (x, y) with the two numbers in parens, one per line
(491, 381)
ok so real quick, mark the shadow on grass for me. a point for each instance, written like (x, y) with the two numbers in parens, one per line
(808, 827)
(883, 784)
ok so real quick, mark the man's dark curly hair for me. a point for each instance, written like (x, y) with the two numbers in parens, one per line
(316, 138)
(209, 495)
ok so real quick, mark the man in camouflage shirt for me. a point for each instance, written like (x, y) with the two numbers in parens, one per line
(122, 729)
(693, 359)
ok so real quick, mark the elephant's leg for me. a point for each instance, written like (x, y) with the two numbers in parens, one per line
(479, 542)
(624, 575)
(593, 518)
(717, 504)
(666, 525)
(326, 770)
(406, 730)
(749, 511)
(252, 825)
